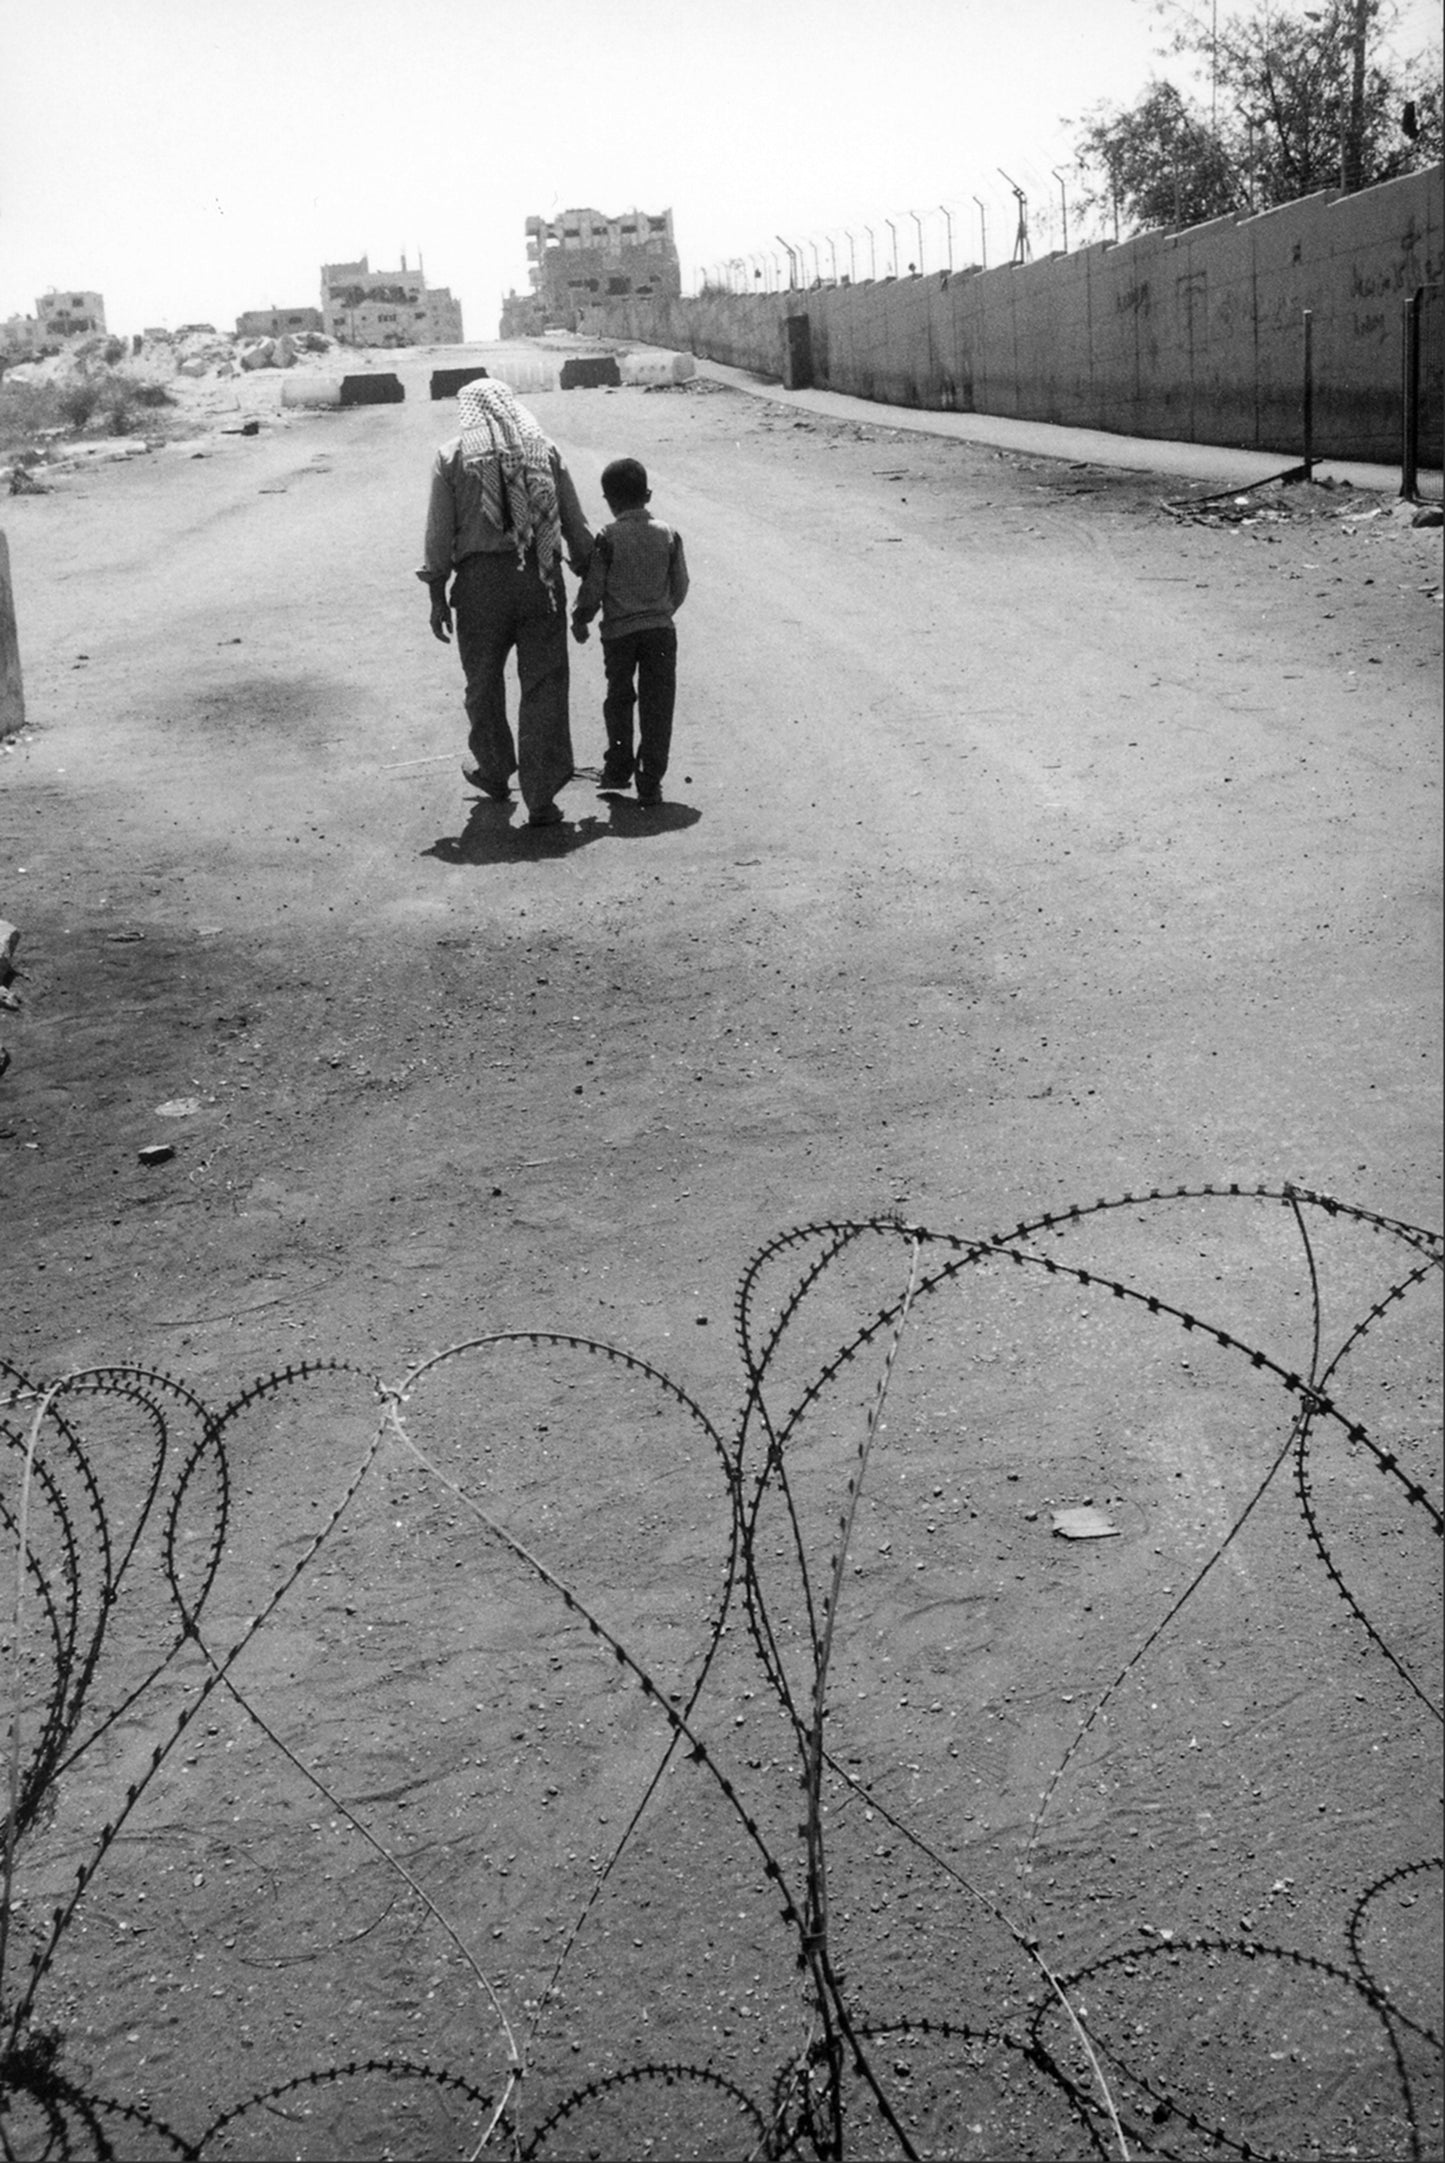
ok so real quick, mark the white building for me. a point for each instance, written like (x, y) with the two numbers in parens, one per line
(66, 314)
(362, 306)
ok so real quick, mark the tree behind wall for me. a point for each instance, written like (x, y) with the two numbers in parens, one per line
(1298, 99)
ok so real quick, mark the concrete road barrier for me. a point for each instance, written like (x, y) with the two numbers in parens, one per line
(372, 390)
(446, 382)
(589, 371)
(311, 392)
(652, 365)
(540, 368)
(523, 372)
(317, 392)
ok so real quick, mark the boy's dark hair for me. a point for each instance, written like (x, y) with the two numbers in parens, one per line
(625, 482)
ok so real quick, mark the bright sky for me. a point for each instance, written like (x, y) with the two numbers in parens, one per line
(192, 158)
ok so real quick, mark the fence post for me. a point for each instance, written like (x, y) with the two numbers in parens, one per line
(12, 694)
(1410, 398)
(1308, 415)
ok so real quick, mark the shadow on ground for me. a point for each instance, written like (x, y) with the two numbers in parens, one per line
(494, 834)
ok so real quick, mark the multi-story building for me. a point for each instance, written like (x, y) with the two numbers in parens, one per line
(70, 315)
(583, 257)
(362, 306)
(276, 322)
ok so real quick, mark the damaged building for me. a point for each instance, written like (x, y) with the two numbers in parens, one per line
(362, 306)
(277, 322)
(581, 257)
(59, 316)
(70, 315)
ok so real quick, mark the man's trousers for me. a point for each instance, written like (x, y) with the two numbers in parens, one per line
(501, 608)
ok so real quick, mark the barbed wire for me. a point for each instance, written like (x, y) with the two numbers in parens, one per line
(119, 1547)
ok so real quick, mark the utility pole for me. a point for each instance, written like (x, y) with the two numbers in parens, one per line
(1021, 234)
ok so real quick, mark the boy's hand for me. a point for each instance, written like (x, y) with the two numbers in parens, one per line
(441, 619)
(579, 631)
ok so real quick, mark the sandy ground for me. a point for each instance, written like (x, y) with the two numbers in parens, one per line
(1037, 867)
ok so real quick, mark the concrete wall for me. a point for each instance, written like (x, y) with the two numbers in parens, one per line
(1196, 335)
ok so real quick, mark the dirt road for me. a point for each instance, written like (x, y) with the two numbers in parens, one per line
(1025, 845)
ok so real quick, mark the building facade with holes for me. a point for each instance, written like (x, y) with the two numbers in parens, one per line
(276, 322)
(583, 257)
(362, 306)
(66, 314)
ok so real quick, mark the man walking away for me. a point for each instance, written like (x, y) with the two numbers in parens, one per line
(502, 508)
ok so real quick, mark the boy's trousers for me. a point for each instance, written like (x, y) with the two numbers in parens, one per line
(642, 674)
(500, 609)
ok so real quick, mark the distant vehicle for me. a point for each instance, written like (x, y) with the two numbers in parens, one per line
(186, 329)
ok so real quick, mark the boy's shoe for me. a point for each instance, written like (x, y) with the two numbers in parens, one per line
(546, 815)
(649, 792)
(614, 777)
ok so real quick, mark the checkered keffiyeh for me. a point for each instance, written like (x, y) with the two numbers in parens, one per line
(504, 447)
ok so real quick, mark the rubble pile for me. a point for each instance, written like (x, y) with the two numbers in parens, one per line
(107, 389)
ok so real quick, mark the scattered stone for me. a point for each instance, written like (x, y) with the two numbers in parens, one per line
(157, 1153)
(9, 940)
(9, 1000)
(1083, 1524)
(4, 1058)
(1429, 514)
(178, 1108)
(105, 453)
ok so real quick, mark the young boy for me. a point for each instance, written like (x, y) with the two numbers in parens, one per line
(638, 578)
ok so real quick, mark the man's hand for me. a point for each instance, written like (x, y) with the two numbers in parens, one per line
(441, 618)
(579, 631)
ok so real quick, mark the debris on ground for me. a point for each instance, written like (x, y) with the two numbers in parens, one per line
(1083, 1524)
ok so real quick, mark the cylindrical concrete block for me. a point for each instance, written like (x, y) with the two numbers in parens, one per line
(522, 372)
(311, 391)
(12, 694)
(652, 365)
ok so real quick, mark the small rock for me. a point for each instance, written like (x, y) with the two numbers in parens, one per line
(157, 1153)
(1083, 1524)
(1429, 514)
